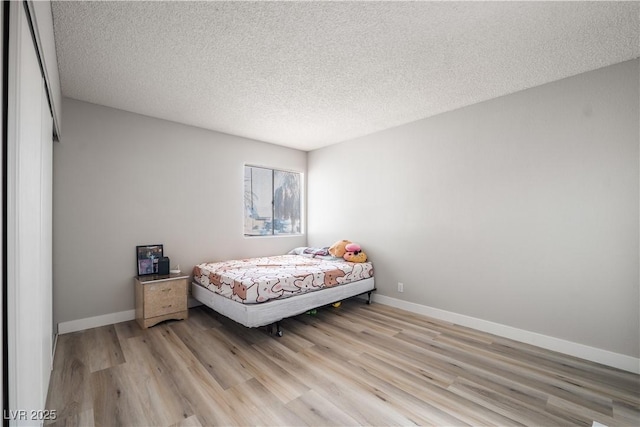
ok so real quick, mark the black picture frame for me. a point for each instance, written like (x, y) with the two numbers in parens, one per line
(147, 257)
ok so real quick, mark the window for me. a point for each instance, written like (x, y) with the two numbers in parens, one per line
(272, 202)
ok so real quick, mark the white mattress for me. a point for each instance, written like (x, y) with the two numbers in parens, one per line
(257, 280)
(266, 313)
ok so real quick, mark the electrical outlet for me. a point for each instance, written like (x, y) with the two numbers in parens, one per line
(400, 287)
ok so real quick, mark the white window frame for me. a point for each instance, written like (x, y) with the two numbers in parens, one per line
(273, 232)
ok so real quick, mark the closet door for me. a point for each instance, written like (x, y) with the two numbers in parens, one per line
(46, 242)
(29, 221)
(5, 376)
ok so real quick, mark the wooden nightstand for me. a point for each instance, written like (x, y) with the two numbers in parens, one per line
(161, 298)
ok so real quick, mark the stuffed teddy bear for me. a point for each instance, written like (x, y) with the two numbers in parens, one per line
(338, 249)
(354, 253)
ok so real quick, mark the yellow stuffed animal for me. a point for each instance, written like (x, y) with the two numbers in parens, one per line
(338, 249)
(354, 253)
(348, 250)
(355, 256)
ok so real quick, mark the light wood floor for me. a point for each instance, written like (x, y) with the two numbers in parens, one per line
(355, 365)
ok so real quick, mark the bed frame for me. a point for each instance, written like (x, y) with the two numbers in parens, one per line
(271, 312)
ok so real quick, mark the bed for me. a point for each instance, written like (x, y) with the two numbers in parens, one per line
(263, 291)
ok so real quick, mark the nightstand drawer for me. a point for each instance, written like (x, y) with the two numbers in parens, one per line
(165, 297)
(160, 298)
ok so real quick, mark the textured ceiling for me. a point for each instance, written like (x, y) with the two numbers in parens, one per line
(310, 74)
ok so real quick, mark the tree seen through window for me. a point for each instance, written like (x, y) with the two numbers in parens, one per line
(272, 202)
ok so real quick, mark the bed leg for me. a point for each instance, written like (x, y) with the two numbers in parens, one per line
(278, 330)
(368, 297)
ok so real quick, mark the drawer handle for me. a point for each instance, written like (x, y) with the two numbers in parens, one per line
(167, 306)
(166, 290)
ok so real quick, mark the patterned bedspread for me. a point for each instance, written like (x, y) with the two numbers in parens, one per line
(258, 280)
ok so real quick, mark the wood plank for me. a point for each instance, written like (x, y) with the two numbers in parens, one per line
(370, 401)
(558, 405)
(626, 414)
(79, 419)
(69, 386)
(313, 330)
(115, 398)
(623, 385)
(253, 404)
(216, 357)
(359, 364)
(433, 394)
(158, 350)
(504, 404)
(530, 375)
(127, 329)
(280, 381)
(315, 410)
(123, 395)
(203, 318)
(103, 348)
(204, 396)
(192, 421)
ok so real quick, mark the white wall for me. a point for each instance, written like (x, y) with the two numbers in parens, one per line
(522, 210)
(122, 179)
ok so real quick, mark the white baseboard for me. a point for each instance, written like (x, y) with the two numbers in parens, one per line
(96, 321)
(106, 319)
(605, 357)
